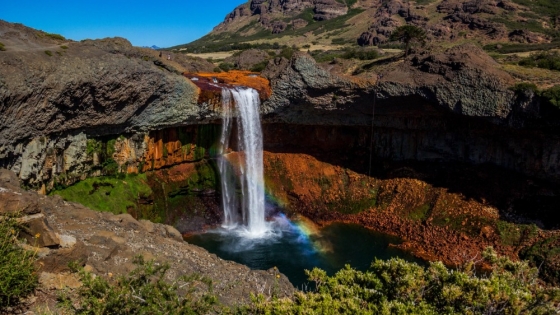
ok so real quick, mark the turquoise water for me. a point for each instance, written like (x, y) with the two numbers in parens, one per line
(290, 248)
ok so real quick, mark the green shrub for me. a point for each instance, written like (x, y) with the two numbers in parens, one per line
(226, 66)
(544, 60)
(17, 272)
(524, 87)
(64, 47)
(217, 70)
(399, 287)
(259, 67)
(143, 291)
(287, 52)
(55, 36)
(48, 53)
(2, 47)
(552, 95)
(362, 54)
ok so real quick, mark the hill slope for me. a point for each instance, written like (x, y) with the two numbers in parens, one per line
(370, 22)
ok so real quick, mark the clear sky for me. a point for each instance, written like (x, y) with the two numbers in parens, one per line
(144, 23)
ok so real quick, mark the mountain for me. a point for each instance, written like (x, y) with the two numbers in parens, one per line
(316, 23)
(152, 47)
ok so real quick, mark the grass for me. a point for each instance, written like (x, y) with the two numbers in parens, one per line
(18, 278)
(234, 41)
(108, 194)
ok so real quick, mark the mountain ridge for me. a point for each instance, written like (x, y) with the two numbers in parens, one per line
(370, 22)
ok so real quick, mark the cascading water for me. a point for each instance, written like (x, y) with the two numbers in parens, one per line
(250, 142)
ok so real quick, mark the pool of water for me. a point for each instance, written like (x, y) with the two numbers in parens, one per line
(296, 246)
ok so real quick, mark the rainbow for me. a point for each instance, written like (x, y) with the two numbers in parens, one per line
(307, 231)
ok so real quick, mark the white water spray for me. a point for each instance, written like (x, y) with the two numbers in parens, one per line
(249, 135)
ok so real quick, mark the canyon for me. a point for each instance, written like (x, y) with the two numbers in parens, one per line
(437, 149)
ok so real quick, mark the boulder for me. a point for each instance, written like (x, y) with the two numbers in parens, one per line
(37, 231)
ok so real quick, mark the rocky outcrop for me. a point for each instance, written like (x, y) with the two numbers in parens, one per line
(106, 245)
(268, 12)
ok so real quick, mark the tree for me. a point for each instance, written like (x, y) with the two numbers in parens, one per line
(408, 34)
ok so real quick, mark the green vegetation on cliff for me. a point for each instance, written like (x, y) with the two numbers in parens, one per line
(388, 287)
(398, 287)
(108, 193)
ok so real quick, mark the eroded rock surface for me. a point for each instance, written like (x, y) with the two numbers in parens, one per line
(107, 244)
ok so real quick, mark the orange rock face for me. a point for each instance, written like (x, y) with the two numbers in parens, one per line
(434, 223)
(209, 91)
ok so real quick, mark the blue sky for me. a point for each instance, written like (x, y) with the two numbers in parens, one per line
(144, 23)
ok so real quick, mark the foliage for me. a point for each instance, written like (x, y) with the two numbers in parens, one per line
(64, 47)
(524, 87)
(544, 60)
(259, 67)
(226, 66)
(514, 234)
(287, 52)
(408, 34)
(509, 48)
(362, 54)
(55, 36)
(108, 193)
(552, 95)
(399, 287)
(545, 254)
(550, 8)
(17, 272)
(143, 291)
(2, 47)
(48, 53)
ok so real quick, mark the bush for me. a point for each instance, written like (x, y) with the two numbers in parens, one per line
(524, 87)
(17, 272)
(55, 36)
(287, 52)
(48, 53)
(552, 95)
(2, 47)
(544, 60)
(399, 287)
(259, 67)
(362, 54)
(226, 66)
(143, 291)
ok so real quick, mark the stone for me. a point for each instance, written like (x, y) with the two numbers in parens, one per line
(148, 225)
(173, 233)
(67, 241)
(37, 231)
(126, 220)
(14, 202)
(58, 260)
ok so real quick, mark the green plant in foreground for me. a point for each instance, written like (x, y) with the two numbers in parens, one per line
(143, 291)
(17, 272)
(399, 287)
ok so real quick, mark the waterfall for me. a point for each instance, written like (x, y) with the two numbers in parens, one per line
(229, 201)
(251, 179)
